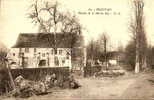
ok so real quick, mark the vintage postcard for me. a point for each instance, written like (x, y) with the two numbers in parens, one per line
(76, 49)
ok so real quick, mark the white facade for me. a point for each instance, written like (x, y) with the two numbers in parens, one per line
(39, 57)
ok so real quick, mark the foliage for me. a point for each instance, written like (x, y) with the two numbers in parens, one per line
(93, 51)
(130, 55)
(150, 56)
(98, 49)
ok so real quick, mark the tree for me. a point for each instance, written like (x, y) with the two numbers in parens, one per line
(130, 55)
(150, 56)
(104, 42)
(120, 47)
(5, 70)
(90, 52)
(137, 29)
(55, 21)
(56, 18)
(98, 49)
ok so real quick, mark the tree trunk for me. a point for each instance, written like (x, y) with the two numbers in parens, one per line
(137, 61)
(11, 78)
(85, 56)
(144, 66)
(105, 51)
(137, 67)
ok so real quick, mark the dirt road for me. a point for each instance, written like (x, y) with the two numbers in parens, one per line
(127, 87)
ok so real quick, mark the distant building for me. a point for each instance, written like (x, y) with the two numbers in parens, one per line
(36, 50)
(116, 57)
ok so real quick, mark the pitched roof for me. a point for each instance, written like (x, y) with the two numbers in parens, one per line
(45, 40)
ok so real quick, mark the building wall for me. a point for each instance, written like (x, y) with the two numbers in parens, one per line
(39, 57)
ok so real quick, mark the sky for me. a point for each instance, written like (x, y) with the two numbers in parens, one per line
(13, 19)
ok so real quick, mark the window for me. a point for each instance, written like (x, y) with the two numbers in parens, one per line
(19, 49)
(42, 63)
(56, 61)
(34, 49)
(24, 62)
(60, 52)
(47, 54)
(27, 50)
(21, 54)
(39, 54)
(63, 61)
(52, 51)
(55, 51)
(67, 55)
(13, 54)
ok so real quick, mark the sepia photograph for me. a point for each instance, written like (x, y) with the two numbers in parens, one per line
(76, 49)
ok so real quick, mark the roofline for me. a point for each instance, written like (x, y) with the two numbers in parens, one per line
(43, 33)
(37, 47)
(48, 33)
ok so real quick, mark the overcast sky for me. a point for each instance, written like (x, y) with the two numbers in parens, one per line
(13, 19)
